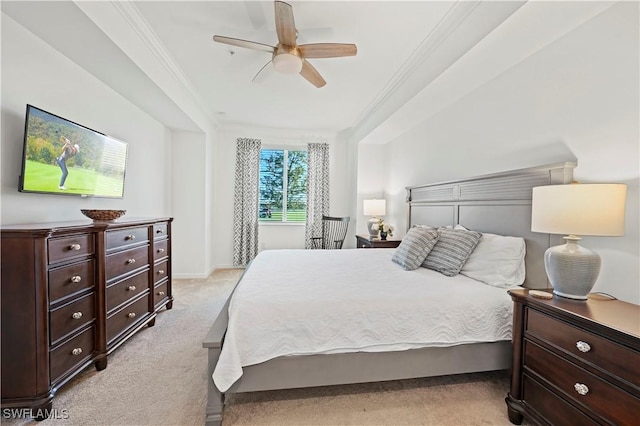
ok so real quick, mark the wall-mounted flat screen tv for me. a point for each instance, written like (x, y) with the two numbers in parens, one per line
(63, 157)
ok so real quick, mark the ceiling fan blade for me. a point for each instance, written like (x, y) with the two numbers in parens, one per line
(327, 50)
(244, 43)
(311, 74)
(259, 73)
(285, 25)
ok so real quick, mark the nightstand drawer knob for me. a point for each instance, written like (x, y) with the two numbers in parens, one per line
(581, 389)
(75, 247)
(161, 293)
(76, 315)
(76, 351)
(130, 261)
(76, 279)
(131, 288)
(131, 315)
(583, 346)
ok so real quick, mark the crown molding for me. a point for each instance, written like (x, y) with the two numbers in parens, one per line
(141, 27)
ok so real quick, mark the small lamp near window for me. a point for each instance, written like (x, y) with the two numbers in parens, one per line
(576, 209)
(374, 208)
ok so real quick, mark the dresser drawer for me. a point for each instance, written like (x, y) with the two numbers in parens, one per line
(70, 317)
(126, 237)
(127, 261)
(160, 230)
(160, 271)
(69, 247)
(601, 397)
(68, 356)
(160, 249)
(125, 290)
(160, 293)
(602, 352)
(557, 411)
(71, 279)
(127, 317)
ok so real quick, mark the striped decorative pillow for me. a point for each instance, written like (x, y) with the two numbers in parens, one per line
(451, 251)
(415, 247)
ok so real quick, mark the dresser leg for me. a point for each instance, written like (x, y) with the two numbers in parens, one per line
(169, 304)
(101, 364)
(151, 323)
(514, 416)
(43, 412)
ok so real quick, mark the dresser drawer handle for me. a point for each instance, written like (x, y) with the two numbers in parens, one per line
(130, 261)
(581, 389)
(583, 346)
(159, 231)
(76, 315)
(76, 351)
(160, 250)
(131, 288)
(130, 237)
(75, 247)
(131, 315)
(161, 272)
(76, 279)
(161, 293)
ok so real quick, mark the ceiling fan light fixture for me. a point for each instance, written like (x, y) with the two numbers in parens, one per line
(287, 63)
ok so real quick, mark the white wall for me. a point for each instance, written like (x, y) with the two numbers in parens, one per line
(33, 72)
(575, 100)
(271, 236)
(373, 172)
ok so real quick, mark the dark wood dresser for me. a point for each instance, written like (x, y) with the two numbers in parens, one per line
(73, 292)
(575, 362)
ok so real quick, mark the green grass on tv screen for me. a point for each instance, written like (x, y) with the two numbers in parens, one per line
(41, 177)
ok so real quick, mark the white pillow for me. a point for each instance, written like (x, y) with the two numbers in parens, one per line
(497, 260)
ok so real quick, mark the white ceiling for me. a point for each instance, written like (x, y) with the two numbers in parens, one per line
(413, 59)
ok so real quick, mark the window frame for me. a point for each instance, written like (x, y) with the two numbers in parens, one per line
(286, 150)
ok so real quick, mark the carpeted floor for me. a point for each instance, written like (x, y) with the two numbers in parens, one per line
(159, 377)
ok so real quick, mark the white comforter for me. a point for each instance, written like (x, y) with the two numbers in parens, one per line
(298, 302)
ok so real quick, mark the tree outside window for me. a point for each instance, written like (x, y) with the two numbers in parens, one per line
(283, 185)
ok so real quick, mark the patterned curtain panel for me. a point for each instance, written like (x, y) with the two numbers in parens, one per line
(317, 189)
(245, 201)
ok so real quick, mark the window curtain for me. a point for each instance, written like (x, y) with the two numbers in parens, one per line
(245, 201)
(317, 189)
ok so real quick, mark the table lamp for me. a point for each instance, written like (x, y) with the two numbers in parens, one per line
(576, 209)
(374, 208)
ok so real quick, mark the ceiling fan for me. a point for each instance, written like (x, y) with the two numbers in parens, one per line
(289, 57)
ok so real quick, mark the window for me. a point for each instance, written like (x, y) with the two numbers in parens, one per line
(283, 186)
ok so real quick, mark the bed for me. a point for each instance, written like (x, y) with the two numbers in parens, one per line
(343, 341)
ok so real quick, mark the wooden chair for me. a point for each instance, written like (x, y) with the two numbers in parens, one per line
(334, 231)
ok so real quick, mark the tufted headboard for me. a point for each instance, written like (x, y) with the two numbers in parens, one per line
(498, 203)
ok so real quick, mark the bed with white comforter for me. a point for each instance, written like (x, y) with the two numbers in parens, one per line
(352, 301)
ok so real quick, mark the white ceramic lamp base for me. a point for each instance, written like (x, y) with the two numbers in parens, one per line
(572, 269)
(370, 225)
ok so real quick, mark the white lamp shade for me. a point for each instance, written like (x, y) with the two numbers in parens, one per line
(374, 207)
(579, 209)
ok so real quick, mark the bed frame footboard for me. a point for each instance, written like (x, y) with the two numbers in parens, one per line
(213, 344)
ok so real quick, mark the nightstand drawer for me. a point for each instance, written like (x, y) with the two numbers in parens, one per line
(581, 386)
(598, 351)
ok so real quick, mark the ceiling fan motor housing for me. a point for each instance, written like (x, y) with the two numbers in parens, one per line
(287, 59)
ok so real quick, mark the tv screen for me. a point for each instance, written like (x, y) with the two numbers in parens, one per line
(63, 157)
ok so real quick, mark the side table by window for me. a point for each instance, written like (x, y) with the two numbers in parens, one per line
(363, 241)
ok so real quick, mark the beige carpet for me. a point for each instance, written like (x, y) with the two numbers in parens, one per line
(159, 378)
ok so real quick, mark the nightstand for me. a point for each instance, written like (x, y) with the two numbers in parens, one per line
(574, 362)
(363, 241)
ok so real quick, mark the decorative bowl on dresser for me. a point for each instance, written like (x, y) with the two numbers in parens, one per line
(574, 362)
(72, 292)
